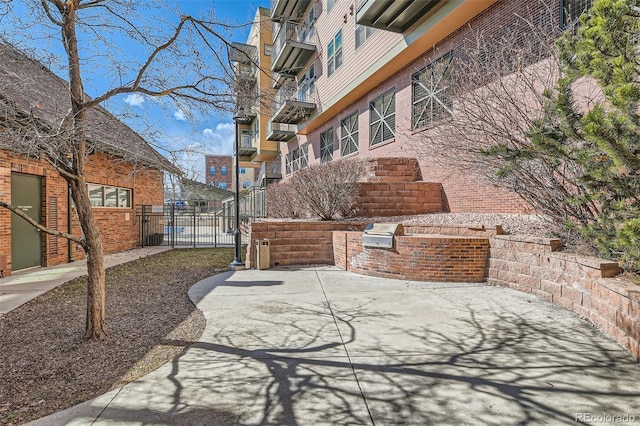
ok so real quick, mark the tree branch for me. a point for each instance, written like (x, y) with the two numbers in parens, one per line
(36, 225)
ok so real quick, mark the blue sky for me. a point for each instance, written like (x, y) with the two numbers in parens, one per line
(212, 134)
(162, 123)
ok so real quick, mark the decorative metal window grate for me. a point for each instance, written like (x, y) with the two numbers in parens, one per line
(295, 160)
(304, 156)
(431, 97)
(382, 118)
(287, 164)
(349, 135)
(326, 146)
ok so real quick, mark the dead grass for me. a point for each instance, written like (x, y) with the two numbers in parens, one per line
(46, 366)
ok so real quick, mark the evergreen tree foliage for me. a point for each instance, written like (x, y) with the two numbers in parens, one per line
(590, 125)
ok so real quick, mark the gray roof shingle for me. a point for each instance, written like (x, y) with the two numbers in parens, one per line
(32, 88)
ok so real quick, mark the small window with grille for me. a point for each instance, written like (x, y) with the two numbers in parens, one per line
(382, 118)
(349, 135)
(431, 97)
(326, 146)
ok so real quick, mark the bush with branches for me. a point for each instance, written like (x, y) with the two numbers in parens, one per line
(328, 191)
(555, 119)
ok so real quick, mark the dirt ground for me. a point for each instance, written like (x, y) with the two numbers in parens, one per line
(46, 366)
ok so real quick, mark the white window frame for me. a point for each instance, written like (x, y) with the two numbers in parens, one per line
(365, 32)
(304, 156)
(334, 54)
(382, 118)
(117, 202)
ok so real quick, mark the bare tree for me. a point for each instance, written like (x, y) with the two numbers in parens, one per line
(497, 89)
(183, 60)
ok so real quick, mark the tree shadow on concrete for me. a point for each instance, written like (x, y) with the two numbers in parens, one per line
(315, 364)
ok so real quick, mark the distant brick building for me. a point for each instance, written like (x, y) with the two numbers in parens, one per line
(123, 172)
(219, 171)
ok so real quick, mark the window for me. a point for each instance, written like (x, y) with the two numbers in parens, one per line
(330, 4)
(212, 170)
(109, 196)
(362, 34)
(326, 146)
(382, 118)
(349, 135)
(304, 156)
(295, 160)
(222, 185)
(246, 184)
(334, 53)
(223, 170)
(243, 170)
(245, 139)
(431, 98)
(268, 48)
(287, 164)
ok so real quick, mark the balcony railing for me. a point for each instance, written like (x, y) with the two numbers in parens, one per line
(280, 132)
(293, 46)
(243, 53)
(269, 171)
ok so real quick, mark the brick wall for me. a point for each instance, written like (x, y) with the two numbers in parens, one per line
(403, 198)
(219, 161)
(415, 257)
(117, 225)
(297, 242)
(581, 284)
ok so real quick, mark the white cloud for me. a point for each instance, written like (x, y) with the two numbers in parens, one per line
(219, 141)
(134, 99)
(180, 115)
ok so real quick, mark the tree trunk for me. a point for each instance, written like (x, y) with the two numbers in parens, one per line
(96, 328)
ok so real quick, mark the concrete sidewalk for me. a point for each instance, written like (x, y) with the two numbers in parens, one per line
(315, 346)
(22, 286)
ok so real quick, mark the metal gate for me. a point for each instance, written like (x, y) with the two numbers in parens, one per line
(172, 225)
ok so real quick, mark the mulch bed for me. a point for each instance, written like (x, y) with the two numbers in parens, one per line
(45, 363)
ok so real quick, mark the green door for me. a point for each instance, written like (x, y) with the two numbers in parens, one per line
(26, 241)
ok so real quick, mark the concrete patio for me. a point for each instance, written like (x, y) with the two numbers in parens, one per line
(322, 346)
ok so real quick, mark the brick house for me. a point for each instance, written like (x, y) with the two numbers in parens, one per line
(357, 78)
(123, 172)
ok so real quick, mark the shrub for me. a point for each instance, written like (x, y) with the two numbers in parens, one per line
(328, 191)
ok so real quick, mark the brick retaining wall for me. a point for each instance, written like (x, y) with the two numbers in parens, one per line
(579, 283)
(297, 242)
(415, 257)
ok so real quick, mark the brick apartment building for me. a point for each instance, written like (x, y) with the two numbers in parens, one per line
(357, 78)
(219, 173)
(117, 186)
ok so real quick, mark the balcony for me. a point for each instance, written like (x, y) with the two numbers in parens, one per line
(293, 46)
(270, 171)
(243, 53)
(280, 78)
(280, 132)
(288, 8)
(294, 104)
(246, 149)
(394, 15)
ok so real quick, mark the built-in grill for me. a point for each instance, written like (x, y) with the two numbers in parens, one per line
(381, 235)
